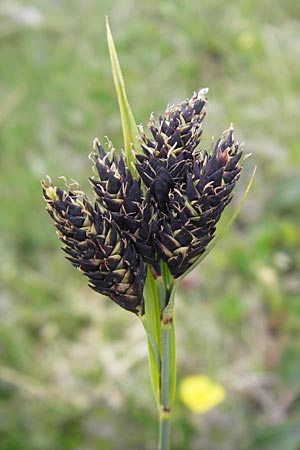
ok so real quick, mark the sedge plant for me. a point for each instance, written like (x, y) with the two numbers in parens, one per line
(153, 220)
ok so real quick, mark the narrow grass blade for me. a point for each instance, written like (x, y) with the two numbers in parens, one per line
(154, 371)
(173, 366)
(130, 130)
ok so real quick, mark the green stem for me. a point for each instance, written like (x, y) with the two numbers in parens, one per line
(164, 431)
(158, 321)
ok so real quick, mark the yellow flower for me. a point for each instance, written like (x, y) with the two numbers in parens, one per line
(246, 40)
(200, 393)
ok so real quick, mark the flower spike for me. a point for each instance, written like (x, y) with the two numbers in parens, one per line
(97, 247)
(189, 201)
(168, 212)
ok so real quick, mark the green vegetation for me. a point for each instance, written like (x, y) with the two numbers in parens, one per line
(73, 366)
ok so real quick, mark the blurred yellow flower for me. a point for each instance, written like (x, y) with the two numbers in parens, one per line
(246, 40)
(200, 393)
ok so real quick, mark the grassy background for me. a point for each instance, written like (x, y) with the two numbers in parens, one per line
(73, 366)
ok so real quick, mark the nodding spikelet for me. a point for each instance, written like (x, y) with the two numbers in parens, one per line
(97, 247)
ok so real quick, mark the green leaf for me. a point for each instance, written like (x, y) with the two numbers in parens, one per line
(154, 371)
(151, 322)
(130, 129)
(173, 366)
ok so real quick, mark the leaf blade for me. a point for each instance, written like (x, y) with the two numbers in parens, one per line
(151, 322)
(129, 126)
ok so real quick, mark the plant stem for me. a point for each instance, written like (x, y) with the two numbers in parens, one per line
(164, 430)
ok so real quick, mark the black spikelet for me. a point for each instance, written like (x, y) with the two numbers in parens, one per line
(117, 192)
(97, 247)
(179, 130)
(190, 205)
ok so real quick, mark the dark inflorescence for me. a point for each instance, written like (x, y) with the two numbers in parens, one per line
(167, 212)
(97, 246)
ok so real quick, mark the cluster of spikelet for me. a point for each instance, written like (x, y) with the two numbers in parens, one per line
(166, 212)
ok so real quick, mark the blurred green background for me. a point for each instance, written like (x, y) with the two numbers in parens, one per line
(73, 365)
